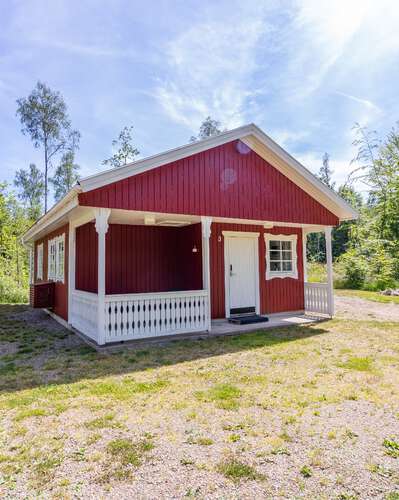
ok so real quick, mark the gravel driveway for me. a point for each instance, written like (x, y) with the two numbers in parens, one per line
(359, 309)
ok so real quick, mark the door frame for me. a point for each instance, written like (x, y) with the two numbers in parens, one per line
(255, 240)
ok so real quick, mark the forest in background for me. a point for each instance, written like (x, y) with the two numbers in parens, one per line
(366, 251)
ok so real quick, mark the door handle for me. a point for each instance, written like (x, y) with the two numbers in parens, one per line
(231, 270)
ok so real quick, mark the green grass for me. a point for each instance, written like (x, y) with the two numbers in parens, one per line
(360, 364)
(30, 412)
(103, 422)
(225, 396)
(391, 447)
(128, 452)
(236, 470)
(306, 471)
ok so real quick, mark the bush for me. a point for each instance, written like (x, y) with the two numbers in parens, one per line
(12, 292)
(354, 269)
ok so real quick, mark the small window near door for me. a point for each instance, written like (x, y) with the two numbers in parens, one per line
(281, 257)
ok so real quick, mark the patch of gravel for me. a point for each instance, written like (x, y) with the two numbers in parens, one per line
(179, 468)
(359, 309)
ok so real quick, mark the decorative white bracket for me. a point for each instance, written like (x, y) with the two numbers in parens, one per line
(102, 215)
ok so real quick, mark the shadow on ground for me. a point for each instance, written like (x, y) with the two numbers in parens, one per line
(36, 351)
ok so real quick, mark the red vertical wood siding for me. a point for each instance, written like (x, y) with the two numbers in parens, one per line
(276, 295)
(140, 259)
(86, 258)
(219, 182)
(60, 289)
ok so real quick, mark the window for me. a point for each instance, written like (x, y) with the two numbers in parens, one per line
(56, 258)
(39, 262)
(281, 257)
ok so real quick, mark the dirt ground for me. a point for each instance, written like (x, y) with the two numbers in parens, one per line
(356, 308)
(306, 412)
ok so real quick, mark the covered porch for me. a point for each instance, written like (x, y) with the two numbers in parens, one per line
(180, 302)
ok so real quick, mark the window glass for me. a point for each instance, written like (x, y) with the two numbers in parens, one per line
(275, 266)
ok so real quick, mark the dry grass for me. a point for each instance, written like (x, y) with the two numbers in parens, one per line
(306, 411)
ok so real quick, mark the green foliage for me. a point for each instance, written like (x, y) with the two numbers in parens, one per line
(65, 176)
(306, 471)
(31, 189)
(391, 447)
(208, 128)
(367, 250)
(354, 269)
(128, 452)
(236, 470)
(360, 364)
(126, 152)
(224, 395)
(14, 266)
(45, 120)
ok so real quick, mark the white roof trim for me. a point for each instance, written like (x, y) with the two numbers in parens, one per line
(67, 203)
(257, 140)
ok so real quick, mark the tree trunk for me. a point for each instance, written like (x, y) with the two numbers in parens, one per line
(45, 175)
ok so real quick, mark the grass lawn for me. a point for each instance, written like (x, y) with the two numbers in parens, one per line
(309, 412)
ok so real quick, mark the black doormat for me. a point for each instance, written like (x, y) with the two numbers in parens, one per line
(247, 320)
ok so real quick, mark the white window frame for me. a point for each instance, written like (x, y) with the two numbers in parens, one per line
(293, 238)
(56, 258)
(39, 262)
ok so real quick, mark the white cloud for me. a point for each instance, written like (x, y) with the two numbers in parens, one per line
(210, 68)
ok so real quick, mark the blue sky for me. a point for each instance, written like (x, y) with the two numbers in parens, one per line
(304, 71)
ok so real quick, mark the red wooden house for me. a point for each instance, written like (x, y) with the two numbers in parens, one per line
(165, 245)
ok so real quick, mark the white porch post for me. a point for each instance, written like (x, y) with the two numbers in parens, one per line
(330, 282)
(206, 274)
(304, 256)
(102, 215)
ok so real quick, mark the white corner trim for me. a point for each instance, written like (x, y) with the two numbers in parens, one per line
(282, 274)
(240, 234)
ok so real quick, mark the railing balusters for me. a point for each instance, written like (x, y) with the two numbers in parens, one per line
(316, 298)
(151, 315)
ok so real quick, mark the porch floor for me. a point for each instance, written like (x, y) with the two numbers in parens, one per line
(219, 327)
(223, 327)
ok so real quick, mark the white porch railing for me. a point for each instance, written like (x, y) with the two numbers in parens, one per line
(83, 314)
(137, 316)
(316, 298)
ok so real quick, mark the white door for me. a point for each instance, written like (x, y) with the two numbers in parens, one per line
(241, 275)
